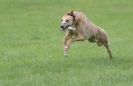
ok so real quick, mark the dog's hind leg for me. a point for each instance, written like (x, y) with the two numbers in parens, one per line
(99, 44)
(92, 39)
(106, 45)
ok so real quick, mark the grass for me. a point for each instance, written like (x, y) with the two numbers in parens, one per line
(31, 52)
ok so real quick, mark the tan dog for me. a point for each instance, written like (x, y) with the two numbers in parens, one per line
(79, 28)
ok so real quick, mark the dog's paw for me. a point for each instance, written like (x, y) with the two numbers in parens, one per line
(65, 54)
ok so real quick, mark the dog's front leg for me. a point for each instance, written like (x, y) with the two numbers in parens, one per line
(70, 41)
(66, 47)
(78, 38)
(67, 42)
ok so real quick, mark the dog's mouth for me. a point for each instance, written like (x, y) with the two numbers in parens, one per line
(65, 28)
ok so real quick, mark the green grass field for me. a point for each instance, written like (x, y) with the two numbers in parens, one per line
(31, 44)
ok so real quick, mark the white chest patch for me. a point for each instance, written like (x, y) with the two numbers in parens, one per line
(71, 28)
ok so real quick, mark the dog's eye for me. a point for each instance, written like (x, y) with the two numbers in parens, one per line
(67, 20)
(61, 20)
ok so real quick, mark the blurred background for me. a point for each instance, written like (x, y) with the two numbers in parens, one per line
(31, 44)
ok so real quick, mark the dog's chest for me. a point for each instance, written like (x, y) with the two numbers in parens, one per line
(72, 30)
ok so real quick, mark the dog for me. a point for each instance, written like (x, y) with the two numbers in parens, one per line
(79, 28)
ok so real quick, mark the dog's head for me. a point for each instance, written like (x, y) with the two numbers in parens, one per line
(68, 20)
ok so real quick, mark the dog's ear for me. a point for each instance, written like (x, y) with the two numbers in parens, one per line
(71, 13)
(76, 17)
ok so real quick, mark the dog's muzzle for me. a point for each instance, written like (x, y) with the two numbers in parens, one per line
(63, 27)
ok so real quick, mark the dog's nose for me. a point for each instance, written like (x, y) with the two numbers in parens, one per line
(61, 26)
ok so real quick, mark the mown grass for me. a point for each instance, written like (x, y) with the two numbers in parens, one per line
(31, 52)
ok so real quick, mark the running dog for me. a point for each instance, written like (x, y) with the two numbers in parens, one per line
(79, 28)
